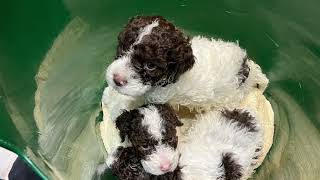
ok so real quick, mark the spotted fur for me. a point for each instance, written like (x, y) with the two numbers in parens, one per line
(232, 170)
(243, 118)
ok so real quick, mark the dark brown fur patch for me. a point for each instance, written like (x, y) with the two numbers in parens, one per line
(165, 48)
(232, 170)
(244, 71)
(131, 31)
(170, 123)
(175, 175)
(244, 119)
(128, 166)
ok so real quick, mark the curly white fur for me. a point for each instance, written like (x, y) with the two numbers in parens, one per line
(213, 136)
(212, 81)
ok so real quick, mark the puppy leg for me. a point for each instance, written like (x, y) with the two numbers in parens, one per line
(116, 102)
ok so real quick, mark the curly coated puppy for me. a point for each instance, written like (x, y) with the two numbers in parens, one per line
(224, 145)
(157, 61)
(151, 130)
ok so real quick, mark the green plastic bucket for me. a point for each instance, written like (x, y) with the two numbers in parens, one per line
(53, 55)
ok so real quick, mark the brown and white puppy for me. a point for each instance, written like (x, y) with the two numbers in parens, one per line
(151, 130)
(156, 61)
(225, 144)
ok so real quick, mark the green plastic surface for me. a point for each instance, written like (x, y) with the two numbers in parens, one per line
(53, 55)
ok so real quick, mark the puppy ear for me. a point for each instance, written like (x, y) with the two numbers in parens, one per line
(123, 123)
(168, 113)
(182, 60)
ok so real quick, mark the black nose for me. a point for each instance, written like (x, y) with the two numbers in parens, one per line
(119, 80)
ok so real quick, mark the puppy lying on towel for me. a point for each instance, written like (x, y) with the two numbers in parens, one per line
(155, 61)
(225, 144)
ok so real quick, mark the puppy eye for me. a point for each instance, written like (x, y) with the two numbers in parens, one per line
(149, 67)
(171, 140)
(145, 147)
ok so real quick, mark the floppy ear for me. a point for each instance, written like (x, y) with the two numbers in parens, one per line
(182, 60)
(174, 118)
(168, 113)
(123, 123)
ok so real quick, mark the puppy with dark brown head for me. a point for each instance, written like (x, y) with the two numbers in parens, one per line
(157, 61)
(151, 130)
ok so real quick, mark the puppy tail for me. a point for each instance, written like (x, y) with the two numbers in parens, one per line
(256, 77)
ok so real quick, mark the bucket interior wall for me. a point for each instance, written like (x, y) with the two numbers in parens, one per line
(53, 55)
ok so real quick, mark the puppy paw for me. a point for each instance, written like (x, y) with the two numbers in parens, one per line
(116, 103)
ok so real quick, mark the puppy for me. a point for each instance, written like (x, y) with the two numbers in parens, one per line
(224, 145)
(157, 62)
(153, 154)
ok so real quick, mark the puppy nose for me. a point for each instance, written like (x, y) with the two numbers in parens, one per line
(165, 167)
(119, 80)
